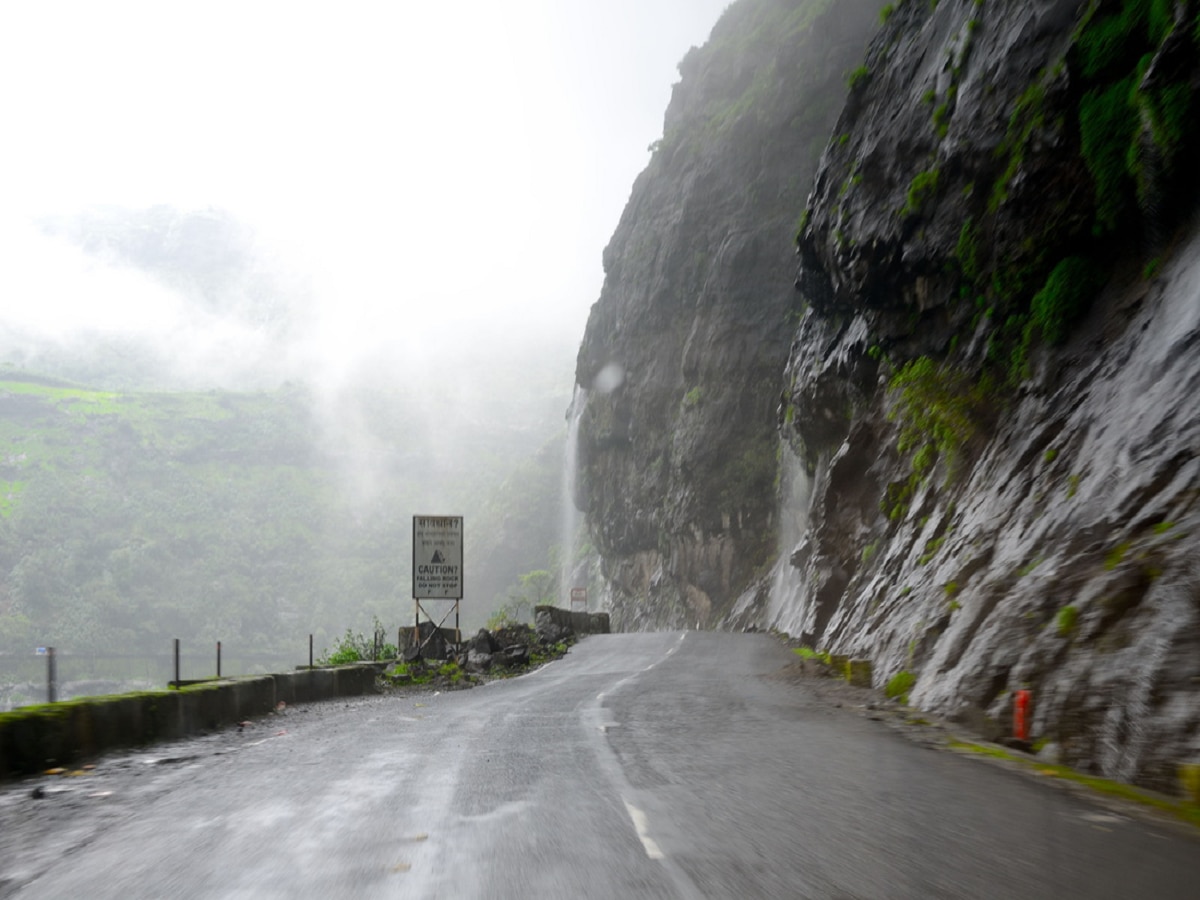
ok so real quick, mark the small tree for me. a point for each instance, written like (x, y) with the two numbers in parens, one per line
(531, 589)
(538, 587)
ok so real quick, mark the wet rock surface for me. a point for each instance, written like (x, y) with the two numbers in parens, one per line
(683, 350)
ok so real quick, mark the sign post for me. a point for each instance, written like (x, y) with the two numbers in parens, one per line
(51, 675)
(437, 569)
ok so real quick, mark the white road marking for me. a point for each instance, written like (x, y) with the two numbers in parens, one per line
(1101, 817)
(640, 826)
(668, 653)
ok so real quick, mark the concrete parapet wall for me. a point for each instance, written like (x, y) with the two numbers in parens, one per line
(56, 734)
(549, 619)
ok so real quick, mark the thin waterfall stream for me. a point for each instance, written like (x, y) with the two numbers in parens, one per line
(568, 538)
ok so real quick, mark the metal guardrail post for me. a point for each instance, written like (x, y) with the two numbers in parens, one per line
(51, 675)
(218, 659)
(177, 678)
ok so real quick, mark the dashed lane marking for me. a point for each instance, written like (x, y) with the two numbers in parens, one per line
(640, 826)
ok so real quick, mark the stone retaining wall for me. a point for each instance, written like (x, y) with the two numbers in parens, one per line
(35, 738)
(551, 622)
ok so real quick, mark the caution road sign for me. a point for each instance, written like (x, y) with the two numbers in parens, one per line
(437, 557)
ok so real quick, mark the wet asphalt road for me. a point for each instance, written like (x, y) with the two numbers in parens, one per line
(655, 765)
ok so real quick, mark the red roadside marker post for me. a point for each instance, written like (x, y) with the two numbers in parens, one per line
(1021, 715)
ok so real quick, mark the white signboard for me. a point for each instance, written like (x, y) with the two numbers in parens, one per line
(437, 557)
(579, 598)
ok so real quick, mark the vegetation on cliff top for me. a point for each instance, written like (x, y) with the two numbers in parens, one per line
(1116, 110)
(1133, 123)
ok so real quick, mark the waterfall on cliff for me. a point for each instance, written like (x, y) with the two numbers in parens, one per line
(786, 605)
(568, 538)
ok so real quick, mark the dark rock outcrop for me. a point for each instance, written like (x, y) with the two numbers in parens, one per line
(480, 651)
(683, 351)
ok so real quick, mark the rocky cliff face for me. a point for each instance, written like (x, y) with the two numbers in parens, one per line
(991, 389)
(995, 383)
(682, 356)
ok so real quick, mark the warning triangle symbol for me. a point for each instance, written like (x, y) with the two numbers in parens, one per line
(437, 557)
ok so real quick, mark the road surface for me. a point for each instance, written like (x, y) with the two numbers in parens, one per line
(639, 766)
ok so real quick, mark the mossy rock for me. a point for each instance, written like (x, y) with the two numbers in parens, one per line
(858, 672)
(1189, 780)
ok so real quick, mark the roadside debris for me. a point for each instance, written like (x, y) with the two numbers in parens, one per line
(487, 655)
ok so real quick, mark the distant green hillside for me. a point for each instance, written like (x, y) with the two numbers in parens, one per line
(127, 519)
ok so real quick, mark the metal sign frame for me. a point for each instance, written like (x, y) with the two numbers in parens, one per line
(579, 596)
(437, 571)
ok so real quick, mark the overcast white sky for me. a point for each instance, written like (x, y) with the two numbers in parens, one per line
(430, 166)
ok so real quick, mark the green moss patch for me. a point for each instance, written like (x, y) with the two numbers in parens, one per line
(1065, 621)
(899, 685)
(921, 190)
(1185, 810)
(1108, 122)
